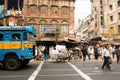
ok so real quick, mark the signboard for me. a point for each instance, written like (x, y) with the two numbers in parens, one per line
(116, 37)
(50, 29)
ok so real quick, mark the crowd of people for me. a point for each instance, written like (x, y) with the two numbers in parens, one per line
(88, 52)
(105, 52)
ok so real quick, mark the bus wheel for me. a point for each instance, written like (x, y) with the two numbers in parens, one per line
(11, 63)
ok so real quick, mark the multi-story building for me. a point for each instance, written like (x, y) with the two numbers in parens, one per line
(53, 19)
(83, 29)
(105, 20)
(98, 28)
(114, 19)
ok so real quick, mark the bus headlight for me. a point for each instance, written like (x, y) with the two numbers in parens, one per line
(29, 53)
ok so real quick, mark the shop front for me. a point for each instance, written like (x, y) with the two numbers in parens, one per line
(95, 41)
(116, 39)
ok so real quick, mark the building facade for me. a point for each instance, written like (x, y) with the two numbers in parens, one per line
(53, 19)
(98, 26)
(114, 19)
(105, 20)
(84, 28)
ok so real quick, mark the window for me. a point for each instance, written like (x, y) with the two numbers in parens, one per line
(101, 2)
(118, 28)
(102, 20)
(65, 28)
(101, 7)
(101, 12)
(111, 30)
(111, 7)
(54, 10)
(111, 18)
(43, 10)
(1, 37)
(32, 9)
(92, 18)
(65, 10)
(119, 15)
(16, 37)
(118, 2)
(31, 38)
(95, 24)
(95, 16)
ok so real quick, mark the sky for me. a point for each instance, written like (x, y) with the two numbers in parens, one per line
(82, 9)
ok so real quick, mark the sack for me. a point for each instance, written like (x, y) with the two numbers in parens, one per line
(37, 57)
(110, 60)
(80, 54)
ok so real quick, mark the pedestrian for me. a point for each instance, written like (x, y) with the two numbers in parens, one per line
(96, 52)
(84, 52)
(46, 53)
(90, 51)
(106, 57)
(80, 54)
(113, 51)
(117, 52)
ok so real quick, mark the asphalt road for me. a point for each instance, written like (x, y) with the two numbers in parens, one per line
(74, 70)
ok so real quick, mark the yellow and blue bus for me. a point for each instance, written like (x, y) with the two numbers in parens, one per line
(17, 46)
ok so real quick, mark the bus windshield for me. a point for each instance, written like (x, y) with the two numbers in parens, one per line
(31, 38)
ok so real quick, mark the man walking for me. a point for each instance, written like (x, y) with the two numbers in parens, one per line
(46, 53)
(117, 52)
(84, 52)
(106, 57)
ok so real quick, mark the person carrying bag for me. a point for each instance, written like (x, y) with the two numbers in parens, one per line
(106, 57)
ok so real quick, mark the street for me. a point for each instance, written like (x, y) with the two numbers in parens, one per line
(74, 70)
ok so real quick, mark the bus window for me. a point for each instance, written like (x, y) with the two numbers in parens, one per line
(1, 37)
(15, 37)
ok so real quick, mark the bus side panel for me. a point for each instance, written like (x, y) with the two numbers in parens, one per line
(17, 52)
(10, 47)
(16, 48)
(15, 45)
(6, 45)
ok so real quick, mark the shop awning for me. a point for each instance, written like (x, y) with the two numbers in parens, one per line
(97, 39)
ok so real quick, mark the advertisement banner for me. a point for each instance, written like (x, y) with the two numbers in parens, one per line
(50, 29)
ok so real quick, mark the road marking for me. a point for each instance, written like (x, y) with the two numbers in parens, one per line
(34, 74)
(98, 71)
(60, 75)
(56, 69)
(103, 73)
(85, 76)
